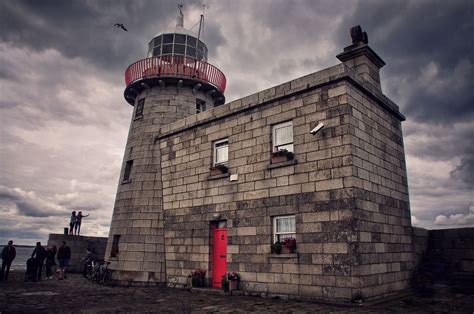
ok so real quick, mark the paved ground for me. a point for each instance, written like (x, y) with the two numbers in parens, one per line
(77, 294)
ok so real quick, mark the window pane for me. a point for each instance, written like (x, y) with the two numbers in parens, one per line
(191, 41)
(167, 49)
(179, 49)
(286, 224)
(191, 52)
(157, 41)
(221, 154)
(180, 38)
(167, 38)
(283, 135)
(201, 45)
(157, 51)
(200, 55)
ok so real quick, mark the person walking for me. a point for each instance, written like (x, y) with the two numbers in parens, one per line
(8, 255)
(77, 227)
(50, 261)
(64, 255)
(39, 254)
(72, 222)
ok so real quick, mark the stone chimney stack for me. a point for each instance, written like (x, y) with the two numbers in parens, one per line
(360, 57)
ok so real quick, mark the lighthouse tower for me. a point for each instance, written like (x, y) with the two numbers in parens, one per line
(173, 82)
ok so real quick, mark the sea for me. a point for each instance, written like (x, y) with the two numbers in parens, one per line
(22, 254)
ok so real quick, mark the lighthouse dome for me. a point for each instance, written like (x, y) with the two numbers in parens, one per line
(177, 41)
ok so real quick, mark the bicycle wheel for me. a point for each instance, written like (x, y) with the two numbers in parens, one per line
(107, 278)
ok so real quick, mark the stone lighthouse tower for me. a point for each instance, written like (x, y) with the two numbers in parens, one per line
(173, 82)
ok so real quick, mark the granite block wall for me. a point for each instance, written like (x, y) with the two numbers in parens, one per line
(346, 187)
(138, 211)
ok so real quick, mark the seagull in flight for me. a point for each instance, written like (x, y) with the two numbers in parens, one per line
(120, 26)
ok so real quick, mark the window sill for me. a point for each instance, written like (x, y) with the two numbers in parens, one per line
(291, 255)
(282, 164)
(219, 176)
(126, 181)
(138, 118)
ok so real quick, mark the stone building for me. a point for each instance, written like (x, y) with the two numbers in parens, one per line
(208, 185)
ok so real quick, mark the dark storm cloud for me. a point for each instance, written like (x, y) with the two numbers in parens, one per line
(428, 47)
(465, 171)
(27, 203)
(85, 29)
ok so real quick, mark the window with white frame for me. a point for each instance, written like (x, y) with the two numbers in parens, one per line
(221, 152)
(282, 136)
(200, 105)
(283, 227)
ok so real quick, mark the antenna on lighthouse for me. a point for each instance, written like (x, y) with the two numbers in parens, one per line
(180, 19)
(201, 25)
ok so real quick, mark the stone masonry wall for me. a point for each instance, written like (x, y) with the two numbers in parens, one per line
(385, 249)
(138, 212)
(346, 228)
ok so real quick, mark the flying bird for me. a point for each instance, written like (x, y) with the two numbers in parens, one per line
(120, 26)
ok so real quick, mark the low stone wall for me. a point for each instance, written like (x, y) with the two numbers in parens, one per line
(420, 243)
(78, 246)
(456, 246)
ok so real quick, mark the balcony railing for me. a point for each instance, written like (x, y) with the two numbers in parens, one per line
(175, 66)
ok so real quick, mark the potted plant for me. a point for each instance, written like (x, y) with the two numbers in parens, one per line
(219, 169)
(289, 245)
(233, 278)
(197, 278)
(225, 283)
(276, 247)
(230, 281)
(281, 155)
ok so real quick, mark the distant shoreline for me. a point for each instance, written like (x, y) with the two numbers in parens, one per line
(21, 245)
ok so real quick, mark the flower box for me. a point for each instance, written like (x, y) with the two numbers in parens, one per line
(219, 169)
(281, 155)
(233, 285)
(288, 246)
(197, 278)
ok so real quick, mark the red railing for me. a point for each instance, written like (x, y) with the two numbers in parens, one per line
(179, 66)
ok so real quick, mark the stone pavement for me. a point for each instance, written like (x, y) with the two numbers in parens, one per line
(77, 294)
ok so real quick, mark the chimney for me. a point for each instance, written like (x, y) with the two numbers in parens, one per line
(360, 57)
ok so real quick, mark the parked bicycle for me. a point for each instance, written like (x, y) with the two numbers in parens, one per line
(97, 271)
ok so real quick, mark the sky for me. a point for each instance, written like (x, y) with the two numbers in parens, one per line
(64, 121)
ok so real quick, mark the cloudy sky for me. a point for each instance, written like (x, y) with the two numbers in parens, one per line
(64, 122)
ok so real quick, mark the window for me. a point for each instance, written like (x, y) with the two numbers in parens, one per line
(128, 170)
(283, 228)
(221, 152)
(115, 246)
(282, 136)
(200, 105)
(139, 110)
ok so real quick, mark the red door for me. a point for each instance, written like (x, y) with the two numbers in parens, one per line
(219, 256)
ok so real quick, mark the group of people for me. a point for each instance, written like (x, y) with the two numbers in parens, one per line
(34, 265)
(75, 222)
(50, 255)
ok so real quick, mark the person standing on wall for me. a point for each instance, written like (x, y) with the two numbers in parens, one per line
(39, 254)
(64, 255)
(77, 226)
(72, 222)
(8, 255)
(50, 257)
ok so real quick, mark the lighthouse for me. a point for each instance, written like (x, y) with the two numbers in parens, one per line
(174, 81)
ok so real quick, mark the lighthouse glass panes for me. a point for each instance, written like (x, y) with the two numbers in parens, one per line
(283, 227)
(221, 152)
(177, 45)
(282, 136)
